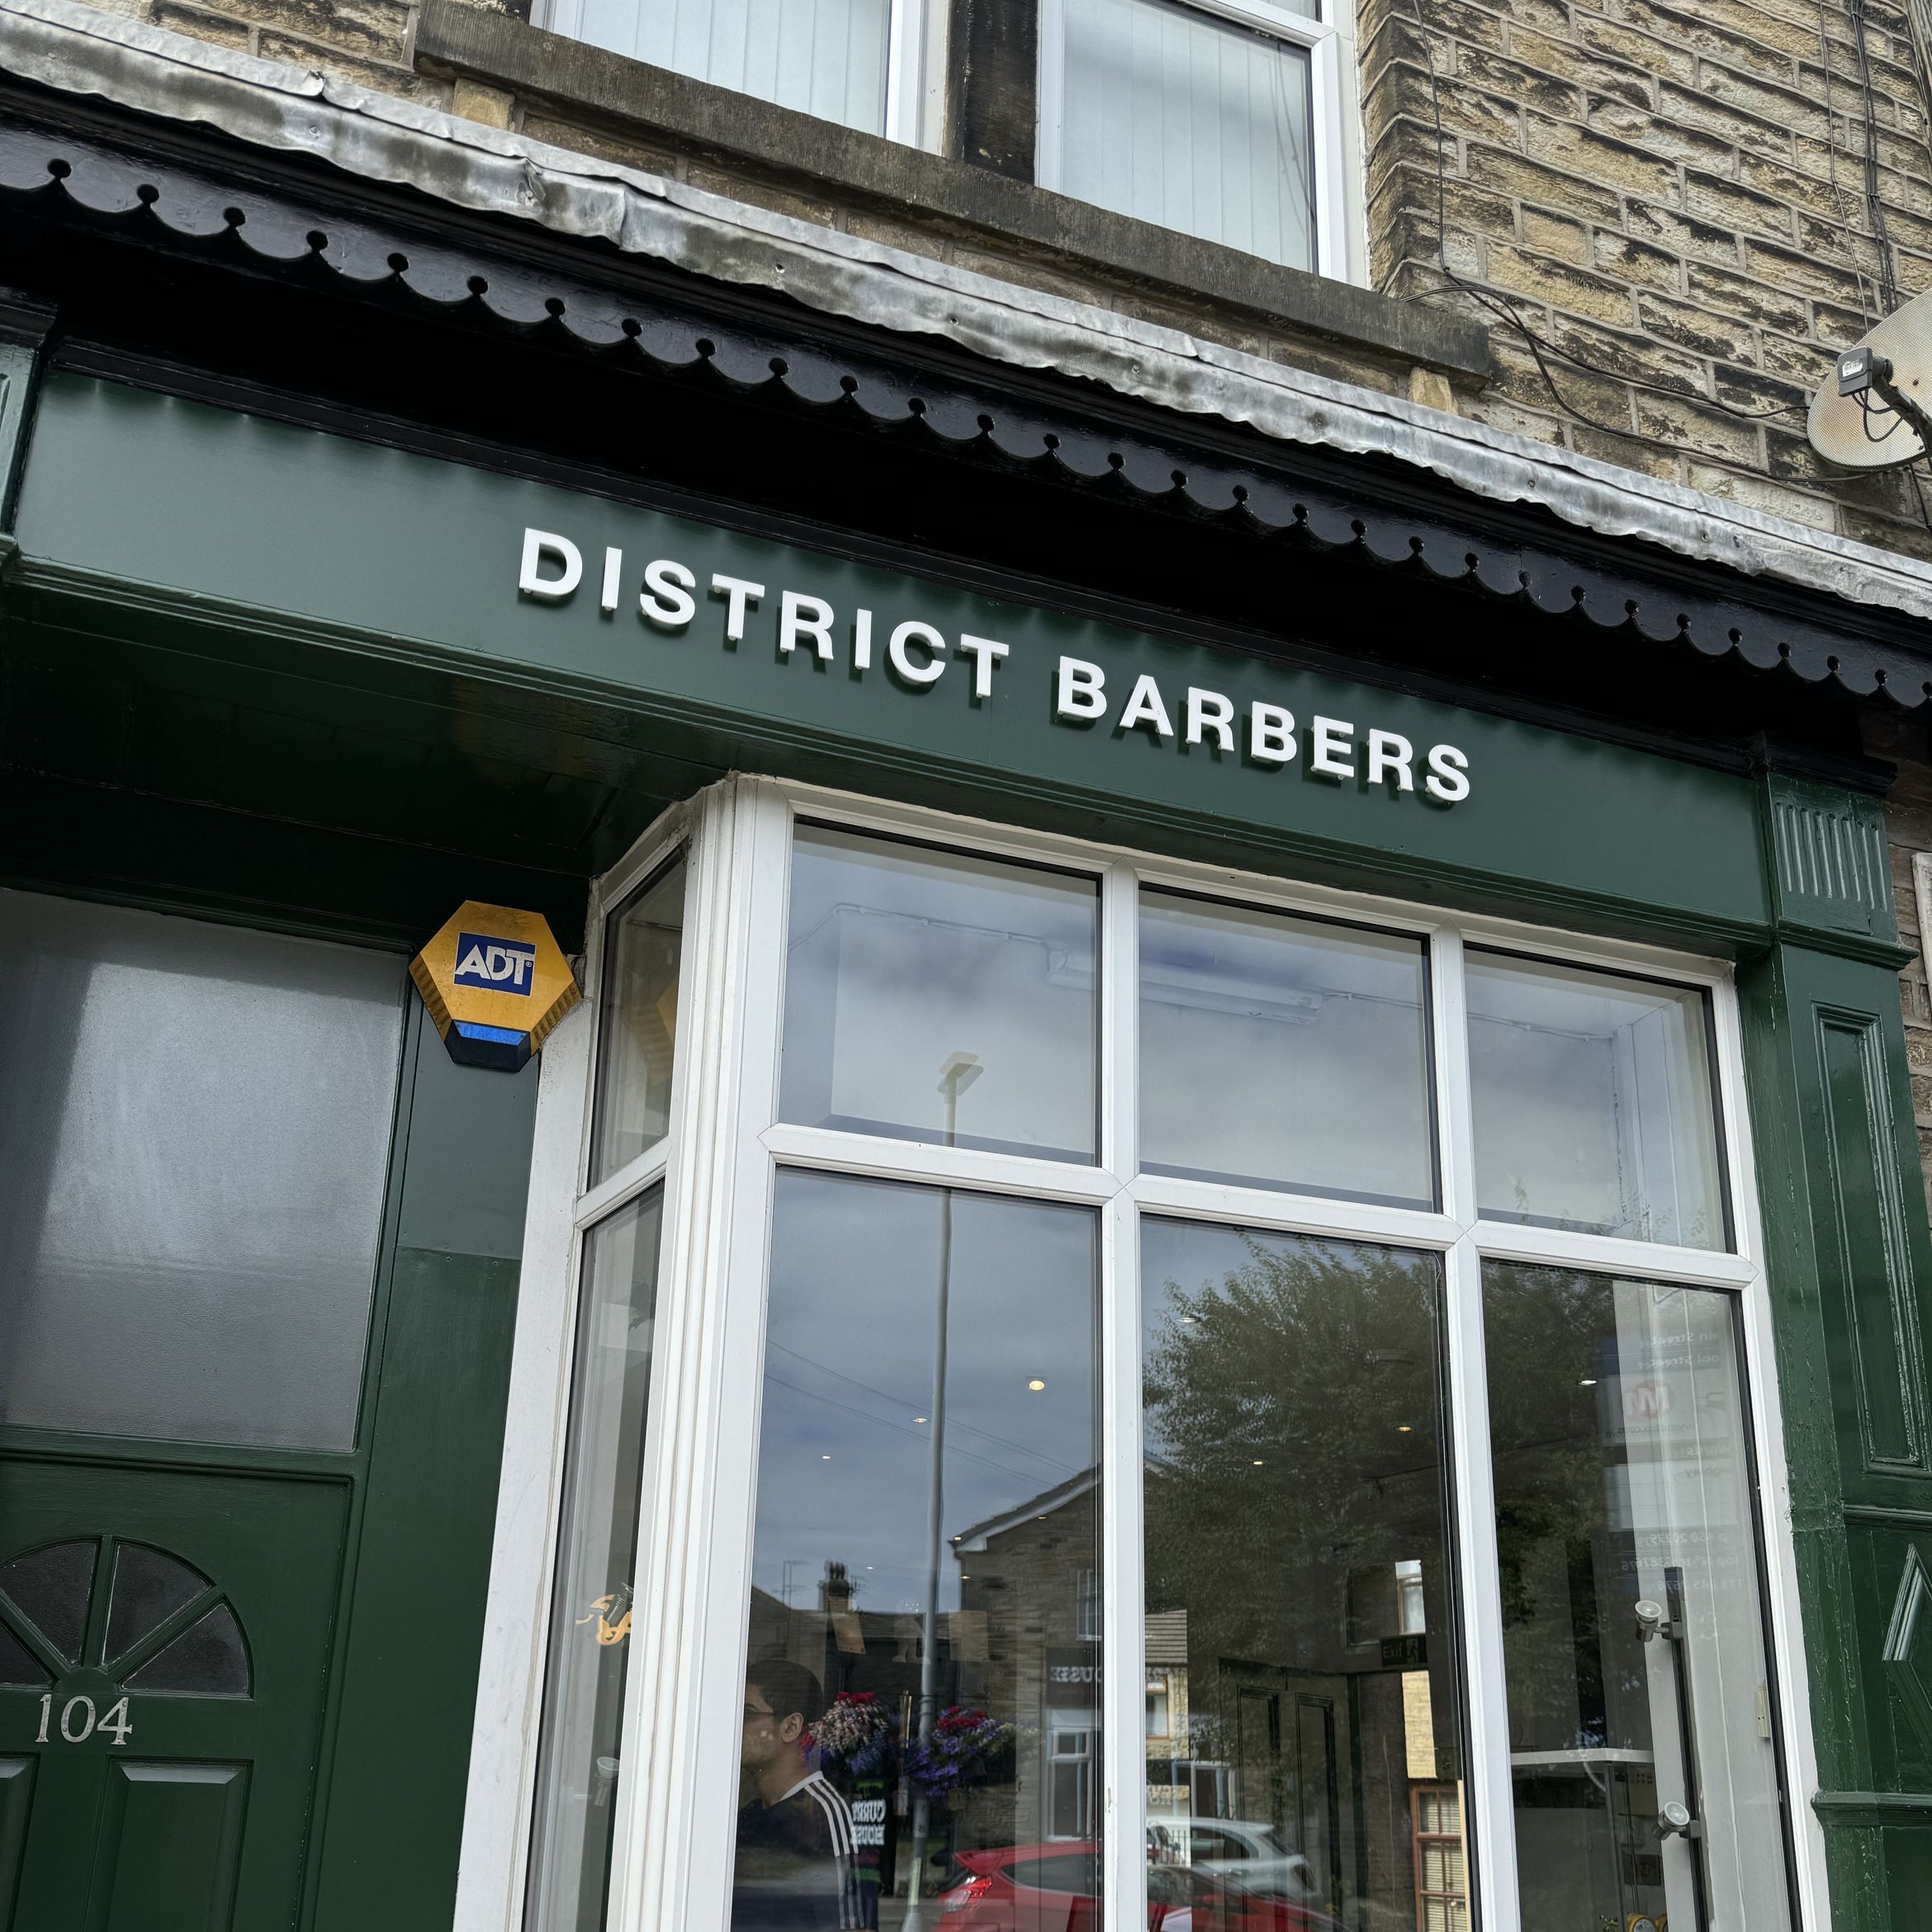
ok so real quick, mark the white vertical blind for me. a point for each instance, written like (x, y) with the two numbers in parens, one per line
(823, 57)
(1178, 118)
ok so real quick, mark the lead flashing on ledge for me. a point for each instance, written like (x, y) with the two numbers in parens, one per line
(76, 50)
(669, 108)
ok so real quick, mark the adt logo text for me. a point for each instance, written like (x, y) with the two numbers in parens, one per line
(494, 965)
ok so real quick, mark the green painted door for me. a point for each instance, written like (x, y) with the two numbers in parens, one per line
(165, 1647)
(197, 1123)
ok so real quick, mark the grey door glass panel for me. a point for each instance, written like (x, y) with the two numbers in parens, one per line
(148, 1587)
(208, 1658)
(16, 1667)
(50, 1587)
(192, 1151)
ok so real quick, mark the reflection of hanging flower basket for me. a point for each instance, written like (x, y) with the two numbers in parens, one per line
(858, 1731)
(966, 1747)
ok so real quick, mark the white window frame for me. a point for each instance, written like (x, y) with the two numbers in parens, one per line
(1340, 238)
(677, 1800)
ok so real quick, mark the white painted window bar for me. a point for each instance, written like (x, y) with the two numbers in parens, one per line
(675, 1801)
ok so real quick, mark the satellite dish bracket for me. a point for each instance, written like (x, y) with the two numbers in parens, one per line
(1862, 369)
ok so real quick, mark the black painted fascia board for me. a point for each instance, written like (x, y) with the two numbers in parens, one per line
(196, 202)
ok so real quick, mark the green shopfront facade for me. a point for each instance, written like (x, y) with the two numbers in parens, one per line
(1223, 1242)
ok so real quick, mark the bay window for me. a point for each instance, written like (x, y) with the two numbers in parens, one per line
(1126, 1396)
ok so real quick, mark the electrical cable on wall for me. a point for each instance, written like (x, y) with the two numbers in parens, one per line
(1543, 352)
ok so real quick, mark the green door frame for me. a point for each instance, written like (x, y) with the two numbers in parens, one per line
(391, 1751)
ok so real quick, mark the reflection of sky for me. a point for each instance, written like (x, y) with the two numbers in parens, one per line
(898, 957)
(849, 1366)
(1243, 1010)
(1592, 1101)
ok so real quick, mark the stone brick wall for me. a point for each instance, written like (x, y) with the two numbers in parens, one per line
(1674, 200)
(370, 42)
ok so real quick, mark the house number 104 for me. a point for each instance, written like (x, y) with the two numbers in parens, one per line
(116, 1724)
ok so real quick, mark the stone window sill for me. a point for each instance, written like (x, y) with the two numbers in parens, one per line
(820, 161)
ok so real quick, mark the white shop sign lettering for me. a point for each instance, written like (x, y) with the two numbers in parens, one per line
(919, 655)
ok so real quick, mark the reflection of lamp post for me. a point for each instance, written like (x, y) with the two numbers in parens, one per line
(959, 1073)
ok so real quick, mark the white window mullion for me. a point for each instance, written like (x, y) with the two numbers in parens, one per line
(1050, 101)
(905, 97)
(1119, 1023)
(497, 1812)
(1124, 1632)
(1488, 1819)
(1331, 200)
(1122, 1626)
(678, 1792)
(1607, 1254)
(832, 1150)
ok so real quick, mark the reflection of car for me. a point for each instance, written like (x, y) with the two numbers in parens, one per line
(1056, 1888)
(1243, 1852)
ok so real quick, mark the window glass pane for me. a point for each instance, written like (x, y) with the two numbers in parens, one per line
(1240, 1008)
(638, 1023)
(1298, 1580)
(1623, 1479)
(939, 998)
(192, 1158)
(1594, 1103)
(590, 1619)
(823, 57)
(1192, 123)
(923, 1679)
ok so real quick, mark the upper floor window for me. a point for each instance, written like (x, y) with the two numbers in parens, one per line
(854, 62)
(1220, 121)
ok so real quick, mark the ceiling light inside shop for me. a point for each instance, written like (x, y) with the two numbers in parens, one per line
(1036, 1385)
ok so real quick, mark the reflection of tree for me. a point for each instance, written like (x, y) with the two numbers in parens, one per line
(1275, 1407)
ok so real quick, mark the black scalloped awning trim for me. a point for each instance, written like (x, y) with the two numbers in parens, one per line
(265, 227)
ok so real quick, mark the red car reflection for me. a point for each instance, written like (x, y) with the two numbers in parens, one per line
(1056, 1888)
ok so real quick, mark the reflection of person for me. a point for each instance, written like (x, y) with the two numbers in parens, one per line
(794, 1864)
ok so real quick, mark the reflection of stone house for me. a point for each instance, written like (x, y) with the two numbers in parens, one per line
(1030, 1598)
(1024, 1646)
(1296, 1685)
(1169, 1786)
